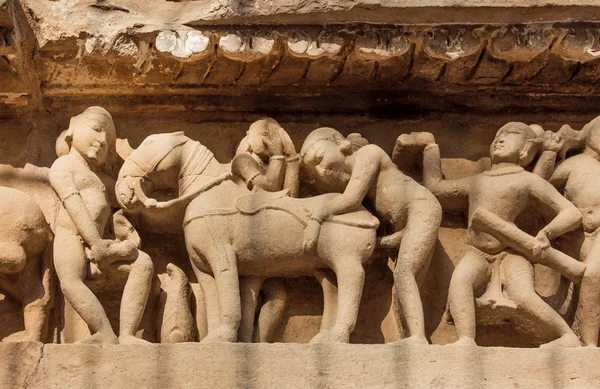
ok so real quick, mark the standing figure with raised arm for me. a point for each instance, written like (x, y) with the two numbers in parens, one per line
(578, 177)
(88, 197)
(331, 163)
(266, 158)
(494, 199)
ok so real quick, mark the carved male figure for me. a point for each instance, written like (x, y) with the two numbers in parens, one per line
(494, 199)
(24, 261)
(265, 159)
(332, 164)
(87, 196)
(578, 177)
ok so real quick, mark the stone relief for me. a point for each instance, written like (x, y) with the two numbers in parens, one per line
(274, 214)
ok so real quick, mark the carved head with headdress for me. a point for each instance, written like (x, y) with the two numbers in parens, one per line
(515, 142)
(92, 133)
(264, 137)
(323, 157)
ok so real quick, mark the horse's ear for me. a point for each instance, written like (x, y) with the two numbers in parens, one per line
(123, 147)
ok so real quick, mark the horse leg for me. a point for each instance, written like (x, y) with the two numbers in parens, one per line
(351, 277)
(249, 289)
(36, 301)
(273, 307)
(223, 262)
(330, 295)
(207, 305)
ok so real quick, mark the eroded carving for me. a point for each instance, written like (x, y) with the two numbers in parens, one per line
(25, 262)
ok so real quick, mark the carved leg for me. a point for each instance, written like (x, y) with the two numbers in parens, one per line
(135, 297)
(34, 284)
(520, 288)
(271, 312)
(471, 273)
(414, 256)
(71, 268)
(207, 308)
(351, 277)
(222, 260)
(588, 309)
(249, 289)
(326, 279)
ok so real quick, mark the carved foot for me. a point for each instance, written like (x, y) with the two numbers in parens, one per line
(567, 340)
(21, 336)
(101, 338)
(331, 336)
(221, 334)
(464, 341)
(130, 339)
(413, 340)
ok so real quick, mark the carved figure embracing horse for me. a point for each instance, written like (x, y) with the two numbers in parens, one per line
(230, 231)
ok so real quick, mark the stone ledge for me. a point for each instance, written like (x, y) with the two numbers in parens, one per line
(217, 365)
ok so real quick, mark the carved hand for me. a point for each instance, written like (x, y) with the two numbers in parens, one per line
(415, 139)
(107, 251)
(542, 243)
(274, 146)
(553, 141)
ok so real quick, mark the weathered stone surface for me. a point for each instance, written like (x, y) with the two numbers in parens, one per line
(22, 365)
(313, 366)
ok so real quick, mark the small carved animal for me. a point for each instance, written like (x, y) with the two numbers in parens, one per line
(175, 321)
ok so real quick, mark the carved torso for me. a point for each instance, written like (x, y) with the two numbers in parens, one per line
(582, 188)
(504, 193)
(93, 190)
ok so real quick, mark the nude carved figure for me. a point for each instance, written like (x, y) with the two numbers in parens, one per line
(87, 196)
(331, 163)
(266, 158)
(494, 199)
(578, 177)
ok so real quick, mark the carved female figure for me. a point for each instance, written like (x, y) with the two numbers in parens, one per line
(332, 164)
(87, 196)
(265, 159)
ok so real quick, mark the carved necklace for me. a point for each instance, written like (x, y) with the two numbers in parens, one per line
(503, 171)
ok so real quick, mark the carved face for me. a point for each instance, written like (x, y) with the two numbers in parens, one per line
(92, 140)
(508, 145)
(326, 166)
(258, 139)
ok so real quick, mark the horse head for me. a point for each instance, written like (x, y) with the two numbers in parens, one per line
(154, 165)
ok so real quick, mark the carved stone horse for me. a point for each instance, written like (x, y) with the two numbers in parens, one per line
(230, 231)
